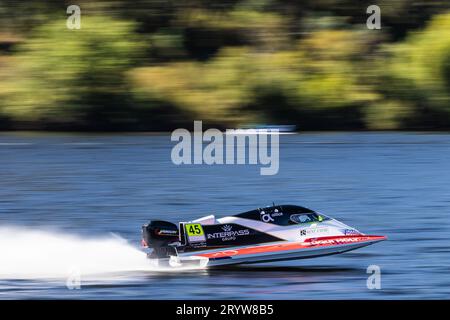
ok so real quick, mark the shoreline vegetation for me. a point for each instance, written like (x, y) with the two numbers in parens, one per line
(155, 66)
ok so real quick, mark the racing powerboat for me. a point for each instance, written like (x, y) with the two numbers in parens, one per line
(276, 233)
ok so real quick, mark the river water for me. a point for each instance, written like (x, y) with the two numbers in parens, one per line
(71, 207)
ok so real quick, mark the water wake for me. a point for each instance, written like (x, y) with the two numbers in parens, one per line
(27, 253)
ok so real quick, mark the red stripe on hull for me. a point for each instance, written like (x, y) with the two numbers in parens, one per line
(308, 243)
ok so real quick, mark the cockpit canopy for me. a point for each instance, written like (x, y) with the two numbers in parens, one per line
(284, 215)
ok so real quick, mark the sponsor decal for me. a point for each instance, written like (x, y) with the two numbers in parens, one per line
(336, 241)
(276, 213)
(227, 228)
(167, 232)
(228, 233)
(350, 232)
(269, 217)
(316, 230)
(198, 244)
(310, 231)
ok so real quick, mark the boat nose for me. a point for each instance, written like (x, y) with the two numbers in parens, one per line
(377, 238)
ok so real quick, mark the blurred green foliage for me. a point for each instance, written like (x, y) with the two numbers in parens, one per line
(71, 77)
(156, 65)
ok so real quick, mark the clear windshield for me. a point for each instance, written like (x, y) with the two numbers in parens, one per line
(307, 217)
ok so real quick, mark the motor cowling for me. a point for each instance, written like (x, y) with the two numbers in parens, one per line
(158, 234)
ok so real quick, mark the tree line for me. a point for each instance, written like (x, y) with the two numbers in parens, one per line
(158, 65)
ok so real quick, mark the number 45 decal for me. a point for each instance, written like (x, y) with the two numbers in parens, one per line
(194, 229)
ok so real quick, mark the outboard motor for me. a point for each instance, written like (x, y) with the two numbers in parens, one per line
(158, 235)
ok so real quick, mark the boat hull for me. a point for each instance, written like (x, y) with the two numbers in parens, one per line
(283, 250)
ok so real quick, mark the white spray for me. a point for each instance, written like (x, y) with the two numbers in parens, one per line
(27, 253)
